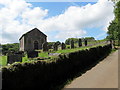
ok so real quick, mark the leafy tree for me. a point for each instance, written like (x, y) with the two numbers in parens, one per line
(114, 27)
(68, 41)
(50, 44)
(10, 47)
(89, 39)
(58, 43)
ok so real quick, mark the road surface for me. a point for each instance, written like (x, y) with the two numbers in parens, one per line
(103, 75)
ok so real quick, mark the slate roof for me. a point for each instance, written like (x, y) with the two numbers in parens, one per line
(31, 31)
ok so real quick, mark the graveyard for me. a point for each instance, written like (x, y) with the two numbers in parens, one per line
(55, 71)
(46, 45)
(46, 66)
(49, 54)
(38, 63)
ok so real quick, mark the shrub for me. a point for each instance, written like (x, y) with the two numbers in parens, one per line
(47, 75)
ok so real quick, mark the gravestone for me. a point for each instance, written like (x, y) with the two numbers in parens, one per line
(55, 46)
(11, 58)
(20, 52)
(72, 44)
(45, 46)
(85, 42)
(32, 54)
(50, 46)
(63, 46)
(79, 42)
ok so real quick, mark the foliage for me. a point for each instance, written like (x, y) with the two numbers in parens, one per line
(67, 41)
(10, 47)
(50, 44)
(114, 27)
(89, 39)
(47, 75)
(113, 31)
(58, 43)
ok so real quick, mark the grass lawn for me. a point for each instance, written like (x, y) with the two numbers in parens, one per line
(76, 49)
(43, 54)
(25, 59)
(3, 60)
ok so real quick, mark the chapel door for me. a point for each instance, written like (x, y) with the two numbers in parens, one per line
(35, 45)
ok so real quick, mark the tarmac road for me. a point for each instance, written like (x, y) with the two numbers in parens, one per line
(103, 75)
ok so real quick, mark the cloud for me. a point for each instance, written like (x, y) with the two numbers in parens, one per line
(18, 17)
(61, 0)
(95, 15)
(14, 19)
(75, 19)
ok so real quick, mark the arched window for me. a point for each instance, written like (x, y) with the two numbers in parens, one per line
(35, 45)
(42, 40)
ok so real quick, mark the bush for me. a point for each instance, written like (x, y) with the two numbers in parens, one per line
(47, 75)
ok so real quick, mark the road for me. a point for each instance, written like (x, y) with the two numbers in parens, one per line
(103, 75)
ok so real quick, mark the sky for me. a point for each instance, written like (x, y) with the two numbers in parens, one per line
(58, 20)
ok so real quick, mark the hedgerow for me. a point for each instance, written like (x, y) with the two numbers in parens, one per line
(46, 75)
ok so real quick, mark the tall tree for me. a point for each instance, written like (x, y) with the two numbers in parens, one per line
(68, 41)
(117, 19)
(114, 27)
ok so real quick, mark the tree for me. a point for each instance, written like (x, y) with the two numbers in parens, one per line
(89, 39)
(68, 41)
(10, 47)
(114, 27)
(117, 19)
(50, 44)
(58, 43)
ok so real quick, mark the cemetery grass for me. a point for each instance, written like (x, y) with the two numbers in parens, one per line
(3, 59)
(43, 54)
(76, 49)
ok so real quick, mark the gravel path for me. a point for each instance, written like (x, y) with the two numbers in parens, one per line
(103, 75)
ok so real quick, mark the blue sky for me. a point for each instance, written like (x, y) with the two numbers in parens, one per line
(61, 0)
(58, 20)
(56, 8)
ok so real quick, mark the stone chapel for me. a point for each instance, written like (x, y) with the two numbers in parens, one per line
(32, 40)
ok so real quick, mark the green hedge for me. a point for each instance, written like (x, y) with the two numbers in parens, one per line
(46, 75)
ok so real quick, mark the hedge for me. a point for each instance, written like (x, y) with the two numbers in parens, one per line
(46, 75)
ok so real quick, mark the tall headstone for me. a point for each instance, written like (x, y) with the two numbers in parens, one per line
(85, 42)
(32, 54)
(72, 44)
(55, 46)
(45, 46)
(11, 58)
(63, 46)
(20, 52)
(79, 42)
